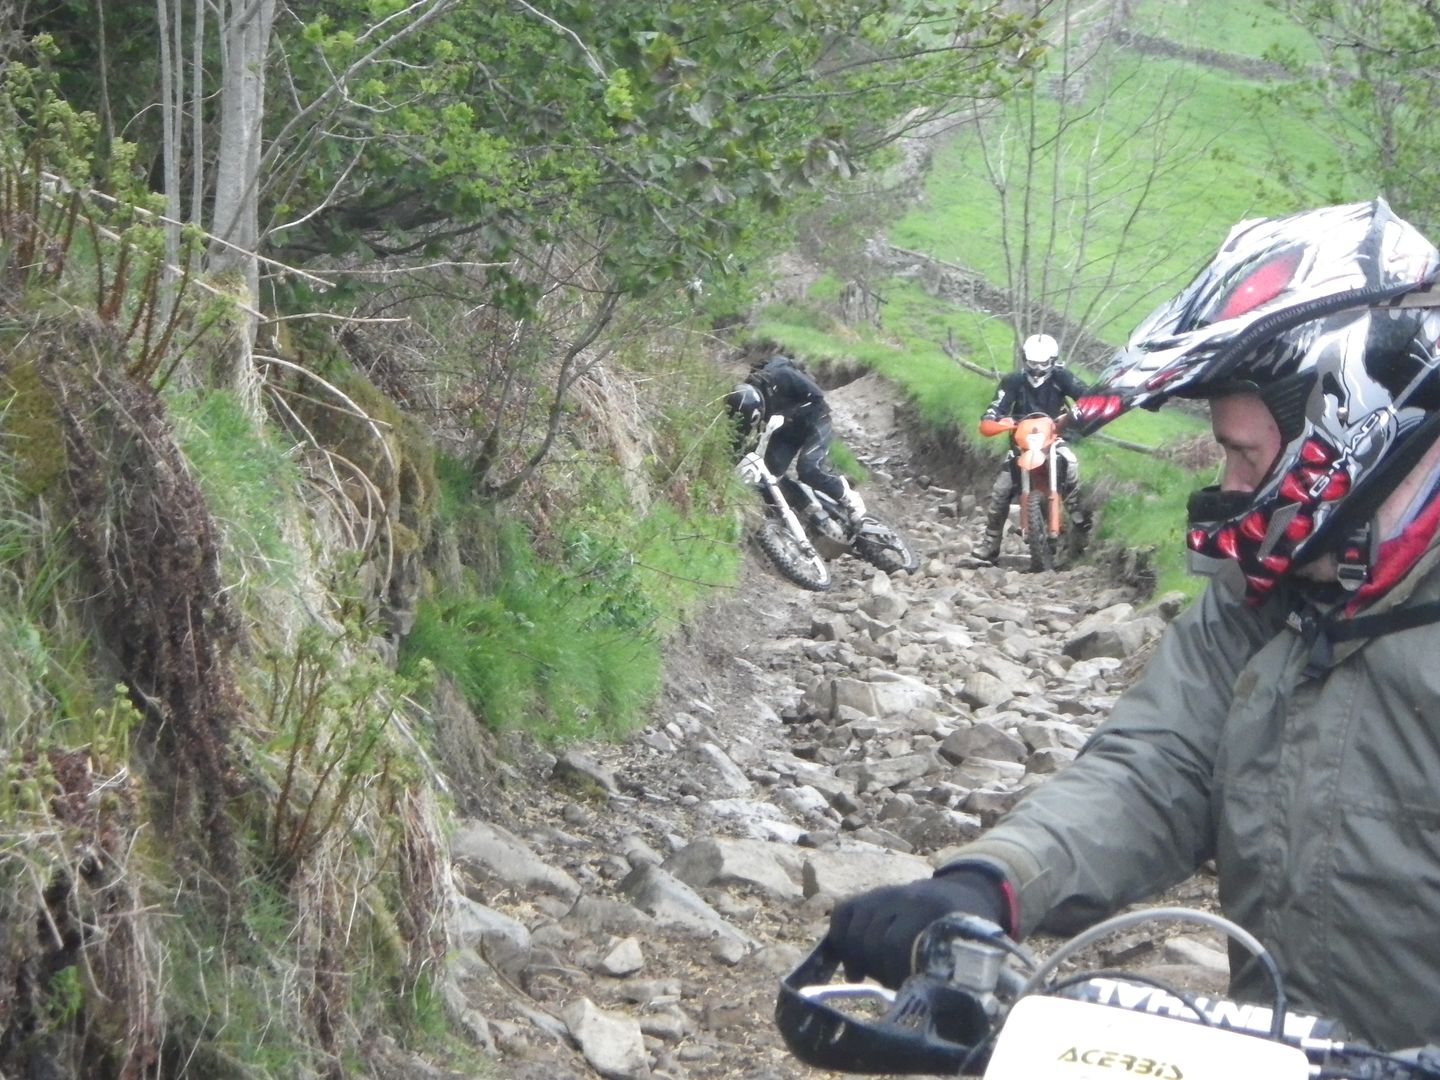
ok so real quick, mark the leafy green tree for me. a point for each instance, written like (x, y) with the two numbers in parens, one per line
(547, 161)
(1380, 84)
(656, 133)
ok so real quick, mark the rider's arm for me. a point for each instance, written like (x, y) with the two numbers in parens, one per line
(1069, 384)
(1131, 816)
(1002, 406)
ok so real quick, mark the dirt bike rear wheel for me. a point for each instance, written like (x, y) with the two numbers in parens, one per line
(1037, 533)
(881, 546)
(805, 568)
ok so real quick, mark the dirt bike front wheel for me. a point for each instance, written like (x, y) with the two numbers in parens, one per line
(882, 546)
(798, 562)
(1037, 533)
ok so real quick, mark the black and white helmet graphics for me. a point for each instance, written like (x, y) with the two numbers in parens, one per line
(1313, 312)
(746, 402)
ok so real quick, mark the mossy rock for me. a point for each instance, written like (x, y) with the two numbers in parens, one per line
(33, 436)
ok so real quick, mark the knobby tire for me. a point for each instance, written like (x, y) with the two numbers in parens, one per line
(886, 549)
(807, 571)
(1037, 533)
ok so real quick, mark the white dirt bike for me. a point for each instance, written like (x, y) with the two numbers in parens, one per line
(982, 1005)
(803, 528)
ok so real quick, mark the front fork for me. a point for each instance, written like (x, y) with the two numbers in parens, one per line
(773, 494)
(1052, 501)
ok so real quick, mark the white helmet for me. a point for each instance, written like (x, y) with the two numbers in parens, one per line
(1040, 351)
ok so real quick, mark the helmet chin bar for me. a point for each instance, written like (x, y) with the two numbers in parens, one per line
(1263, 541)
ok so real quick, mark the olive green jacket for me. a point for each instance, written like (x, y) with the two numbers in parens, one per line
(1317, 797)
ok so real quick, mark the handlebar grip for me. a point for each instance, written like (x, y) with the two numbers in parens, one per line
(930, 1027)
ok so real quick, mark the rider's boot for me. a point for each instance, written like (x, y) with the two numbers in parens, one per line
(996, 513)
(1080, 519)
(989, 549)
(854, 505)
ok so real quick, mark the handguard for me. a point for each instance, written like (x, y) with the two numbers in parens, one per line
(751, 468)
(989, 427)
(935, 1023)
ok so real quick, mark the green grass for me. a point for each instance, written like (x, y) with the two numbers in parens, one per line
(1247, 28)
(570, 646)
(247, 481)
(1220, 169)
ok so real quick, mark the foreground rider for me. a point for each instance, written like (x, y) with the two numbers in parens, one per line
(1043, 386)
(1288, 726)
(779, 388)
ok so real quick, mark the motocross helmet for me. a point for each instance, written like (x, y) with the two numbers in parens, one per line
(746, 402)
(1040, 351)
(1309, 312)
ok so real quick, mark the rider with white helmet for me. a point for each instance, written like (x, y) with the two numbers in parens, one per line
(1042, 386)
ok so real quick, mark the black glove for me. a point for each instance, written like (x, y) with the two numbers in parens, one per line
(874, 933)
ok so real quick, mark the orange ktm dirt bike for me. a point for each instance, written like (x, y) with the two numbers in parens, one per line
(1042, 518)
(982, 1005)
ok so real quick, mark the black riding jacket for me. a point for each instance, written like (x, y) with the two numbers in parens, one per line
(1017, 398)
(790, 393)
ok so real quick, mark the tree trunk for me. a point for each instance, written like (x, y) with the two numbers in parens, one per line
(245, 31)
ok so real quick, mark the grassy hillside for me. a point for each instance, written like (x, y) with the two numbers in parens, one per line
(1232, 153)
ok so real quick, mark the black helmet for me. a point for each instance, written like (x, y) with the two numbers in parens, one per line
(1304, 311)
(746, 402)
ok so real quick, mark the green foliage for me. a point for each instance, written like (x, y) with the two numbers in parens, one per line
(1186, 212)
(248, 483)
(571, 647)
(329, 715)
(1373, 95)
(526, 661)
(71, 873)
(60, 243)
(666, 130)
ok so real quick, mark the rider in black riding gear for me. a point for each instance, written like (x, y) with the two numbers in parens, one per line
(1041, 387)
(779, 388)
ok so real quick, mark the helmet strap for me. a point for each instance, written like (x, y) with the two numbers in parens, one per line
(1356, 556)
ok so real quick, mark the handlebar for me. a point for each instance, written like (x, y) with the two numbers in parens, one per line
(949, 1017)
(990, 427)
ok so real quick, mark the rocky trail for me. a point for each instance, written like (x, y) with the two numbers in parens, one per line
(627, 910)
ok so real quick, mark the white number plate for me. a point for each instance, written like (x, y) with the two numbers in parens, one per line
(1048, 1038)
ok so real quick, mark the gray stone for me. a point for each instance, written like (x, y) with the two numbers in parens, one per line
(611, 1043)
(489, 850)
(673, 903)
(573, 765)
(844, 873)
(626, 958)
(773, 869)
(982, 689)
(982, 740)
